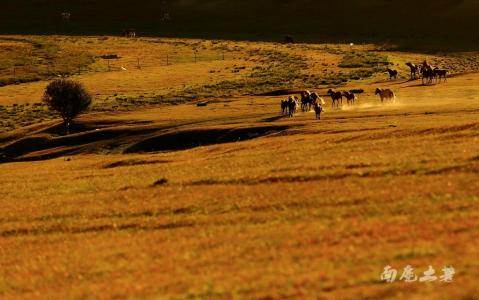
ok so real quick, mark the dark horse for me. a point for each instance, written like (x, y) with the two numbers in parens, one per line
(414, 70)
(336, 97)
(440, 74)
(350, 97)
(427, 74)
(292, 104)
(306, 101)
(393, 74)
(318, 109)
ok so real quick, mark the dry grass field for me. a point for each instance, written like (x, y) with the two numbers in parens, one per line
(153, 197)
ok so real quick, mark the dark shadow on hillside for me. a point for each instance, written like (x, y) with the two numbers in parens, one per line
(90, 137)
(273, 119)
(200, 137)
(59, 129)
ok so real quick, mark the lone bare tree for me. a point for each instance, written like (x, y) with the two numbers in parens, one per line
(67, 97)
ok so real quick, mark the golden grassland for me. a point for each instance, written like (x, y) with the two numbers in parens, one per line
(295, 208)
(142, 74)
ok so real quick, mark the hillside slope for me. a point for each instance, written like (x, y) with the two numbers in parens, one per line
(446, 22)
(295, 209)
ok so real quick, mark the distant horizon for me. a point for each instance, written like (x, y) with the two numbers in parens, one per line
(447, 25)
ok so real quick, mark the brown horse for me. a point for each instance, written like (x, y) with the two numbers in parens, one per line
(393, 74)
(335, 97)
(350, 97)
(386, 95)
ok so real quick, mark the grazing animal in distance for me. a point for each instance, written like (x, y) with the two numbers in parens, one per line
(335, 97)
(386, 95)
(393, 74)
(129, 33)
(288, 39)
(66, 16)
(350, 97)
(414, 70)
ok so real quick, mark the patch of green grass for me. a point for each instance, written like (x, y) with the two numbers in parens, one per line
(16, 116)
(34, 59)
(356, 59)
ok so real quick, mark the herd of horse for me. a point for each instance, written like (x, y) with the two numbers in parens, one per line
(427, 72)
(311, 100)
